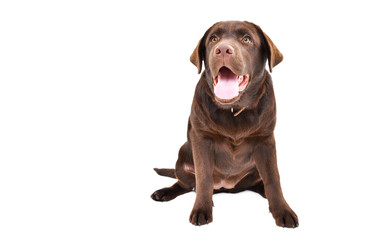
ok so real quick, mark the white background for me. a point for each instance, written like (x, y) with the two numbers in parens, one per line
(94, 94)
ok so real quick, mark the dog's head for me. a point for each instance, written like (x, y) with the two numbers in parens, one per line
(234, 54)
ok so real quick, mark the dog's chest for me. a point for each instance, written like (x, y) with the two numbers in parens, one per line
(233, 161)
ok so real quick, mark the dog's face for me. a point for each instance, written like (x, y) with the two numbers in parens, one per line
(234, 54)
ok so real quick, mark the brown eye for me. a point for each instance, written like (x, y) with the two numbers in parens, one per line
(246, 39)
(214, 39)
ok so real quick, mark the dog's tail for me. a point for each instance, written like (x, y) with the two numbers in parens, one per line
(166, 172)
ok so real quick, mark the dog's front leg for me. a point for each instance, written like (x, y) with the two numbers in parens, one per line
(203, 165)
(265, 160)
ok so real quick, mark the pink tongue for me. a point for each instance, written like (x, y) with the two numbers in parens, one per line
(227, 86)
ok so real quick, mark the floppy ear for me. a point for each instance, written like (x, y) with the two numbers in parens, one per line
(197, 56)
(273, 54)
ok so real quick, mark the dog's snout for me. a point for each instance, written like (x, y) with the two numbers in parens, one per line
(224, 49)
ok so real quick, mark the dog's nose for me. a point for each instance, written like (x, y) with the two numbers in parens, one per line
(224, 49)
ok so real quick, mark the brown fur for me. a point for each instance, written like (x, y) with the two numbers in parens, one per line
(225, 153)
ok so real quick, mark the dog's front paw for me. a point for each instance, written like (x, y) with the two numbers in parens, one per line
(285, 217)
(201, 216)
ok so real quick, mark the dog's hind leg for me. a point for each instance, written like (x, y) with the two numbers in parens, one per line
(169, 193)
(184, 173)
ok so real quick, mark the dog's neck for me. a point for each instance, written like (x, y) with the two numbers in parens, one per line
(237, 113)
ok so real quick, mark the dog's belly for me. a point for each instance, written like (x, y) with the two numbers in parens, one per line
(227, 183)
(232, 164)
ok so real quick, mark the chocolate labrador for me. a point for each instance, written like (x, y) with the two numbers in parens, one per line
(230, 142)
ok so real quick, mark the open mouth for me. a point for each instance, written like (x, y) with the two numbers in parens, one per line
(228, 85)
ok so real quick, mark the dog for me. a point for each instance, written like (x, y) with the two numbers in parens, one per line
(230, 143)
